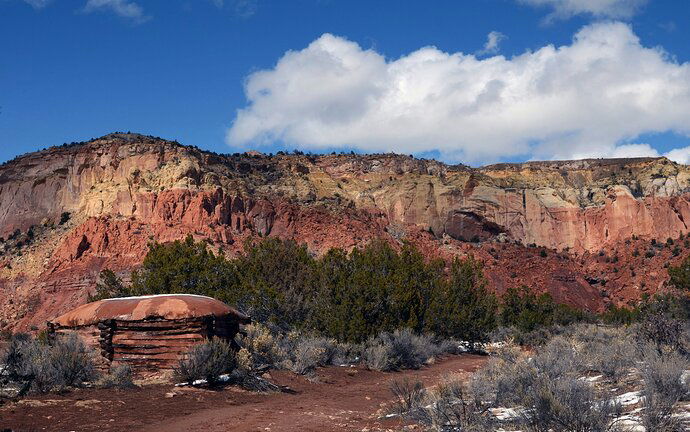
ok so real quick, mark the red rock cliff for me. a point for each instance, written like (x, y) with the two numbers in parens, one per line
(124, 190)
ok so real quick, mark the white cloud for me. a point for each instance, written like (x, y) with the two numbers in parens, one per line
(680, 155)
(38, 4)
(576, 100)
(616, 9)
(493, 40)
(633, 150)
(124, 8)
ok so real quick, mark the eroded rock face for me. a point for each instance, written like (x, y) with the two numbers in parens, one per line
(124, 190)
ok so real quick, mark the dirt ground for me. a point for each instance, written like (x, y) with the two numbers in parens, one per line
(339, 399)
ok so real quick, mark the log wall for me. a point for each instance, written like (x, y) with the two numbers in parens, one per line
(150, 345)
(157, 344)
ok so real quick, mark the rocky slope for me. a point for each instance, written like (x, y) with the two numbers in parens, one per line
(67, 212)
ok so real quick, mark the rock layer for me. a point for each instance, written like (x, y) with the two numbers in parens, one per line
(117, 193)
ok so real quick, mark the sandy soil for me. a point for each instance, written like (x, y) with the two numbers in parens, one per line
(339, 399)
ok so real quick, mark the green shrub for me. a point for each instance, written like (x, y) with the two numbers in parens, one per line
(676, 306)
(680, 275)
(276, 282)
(183, 267)
(64, 218)
(620, 315)
(374, 289)
(109, 285)
(348, 297)
(527, 311)
(463, 308)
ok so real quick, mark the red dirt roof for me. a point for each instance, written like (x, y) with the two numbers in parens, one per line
(166, 306)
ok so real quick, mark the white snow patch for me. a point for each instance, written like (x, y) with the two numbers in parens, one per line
(158, 295)
(629, 423)
(592, 379)
(685, 378)
(630, 398)
(505, 414)
(685, 414)
(222, 378)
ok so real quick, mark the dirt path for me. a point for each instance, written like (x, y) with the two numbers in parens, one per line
(340, 402)
(341, 399)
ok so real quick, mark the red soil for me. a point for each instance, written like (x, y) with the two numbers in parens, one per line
(341, 399)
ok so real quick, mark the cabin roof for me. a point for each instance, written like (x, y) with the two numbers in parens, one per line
(164, 306)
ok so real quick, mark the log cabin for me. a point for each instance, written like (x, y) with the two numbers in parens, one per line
(148, 333)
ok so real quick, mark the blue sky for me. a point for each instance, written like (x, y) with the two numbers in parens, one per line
(359, 76)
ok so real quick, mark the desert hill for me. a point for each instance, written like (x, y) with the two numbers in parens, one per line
(582, 230)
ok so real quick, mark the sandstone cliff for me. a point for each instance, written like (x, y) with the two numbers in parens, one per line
(115, 194)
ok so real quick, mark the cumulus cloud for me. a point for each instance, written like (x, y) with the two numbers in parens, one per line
(38, 4)
(616, 9)
(579, 100)
(632, 151)
(680, 155)
(493, 40)
(124, 8)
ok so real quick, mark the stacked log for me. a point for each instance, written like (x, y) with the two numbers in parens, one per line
(105, 341)
(148, 345)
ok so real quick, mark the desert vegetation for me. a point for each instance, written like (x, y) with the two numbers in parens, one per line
(32, 365)
(347, 297)
(265, 348)
(551, 367)
(206, 361)
(588, 377)
(391, 309)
